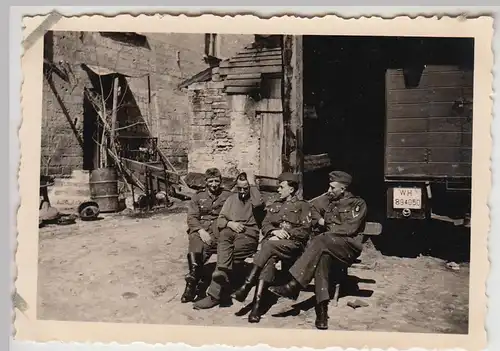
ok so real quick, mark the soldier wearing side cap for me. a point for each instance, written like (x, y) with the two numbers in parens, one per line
(342, 215)
(286, 229)
(203, 211)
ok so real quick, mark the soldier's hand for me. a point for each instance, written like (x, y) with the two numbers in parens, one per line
(237, 227)
(321, 222)
(205, 236)
(281, 234)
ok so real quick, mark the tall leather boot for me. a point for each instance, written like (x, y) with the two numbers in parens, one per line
(321, 315)
(193, 277)
(254, 316)
(242, 293)
(290, 290)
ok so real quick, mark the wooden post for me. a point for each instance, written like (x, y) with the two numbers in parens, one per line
(113, 113)
(293, 157)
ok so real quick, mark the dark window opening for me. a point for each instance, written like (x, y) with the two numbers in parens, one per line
(211, 48)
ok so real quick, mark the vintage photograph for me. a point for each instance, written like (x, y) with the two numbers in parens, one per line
(288, 181)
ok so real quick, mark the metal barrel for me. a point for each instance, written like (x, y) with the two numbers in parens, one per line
(104, 189)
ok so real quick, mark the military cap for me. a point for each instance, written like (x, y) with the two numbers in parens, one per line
(340, 177)
(212, 173)
(289, 177)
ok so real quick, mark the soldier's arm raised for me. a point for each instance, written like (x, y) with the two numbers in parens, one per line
(355, 218)
(193, 215)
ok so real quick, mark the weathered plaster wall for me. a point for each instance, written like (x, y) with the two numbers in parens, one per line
(167, 59)
(225, 130)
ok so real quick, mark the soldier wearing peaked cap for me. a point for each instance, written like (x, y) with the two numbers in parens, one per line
(342, 217)
(203, 211)
(286, 229)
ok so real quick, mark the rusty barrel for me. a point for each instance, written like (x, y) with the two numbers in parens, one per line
(104, 189)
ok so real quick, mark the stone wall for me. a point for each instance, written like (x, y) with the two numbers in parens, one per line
(155, 67)
(225, 130)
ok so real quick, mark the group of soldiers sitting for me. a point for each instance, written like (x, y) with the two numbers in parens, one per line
(228, 223)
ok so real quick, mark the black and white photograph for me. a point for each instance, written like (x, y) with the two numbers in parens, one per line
(318, 182)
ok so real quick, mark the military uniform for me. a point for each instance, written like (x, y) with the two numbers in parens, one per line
(294, 216)
(341, 243)
(203, 211)
(344, 219)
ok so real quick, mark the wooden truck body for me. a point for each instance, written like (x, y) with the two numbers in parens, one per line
(428, 140)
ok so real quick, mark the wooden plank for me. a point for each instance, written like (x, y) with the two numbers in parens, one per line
(435, 124)
(256, 58)
(271, 141)
(261, 50)
(434, 80)
(424, 155)
(269, 105)
(156, 171)
(114, 113)
(429, 139)
(244, 76)
(315, 162)
(276, 55)
(245, 70)
(240, 90)
(417, 110)
(251, 64)
(429, 169)
(242, 82)
(293, 103)
(428, 95)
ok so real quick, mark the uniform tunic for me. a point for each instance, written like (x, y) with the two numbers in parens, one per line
(294, 216)
(344, 220)
(236, 247)
(203, 211)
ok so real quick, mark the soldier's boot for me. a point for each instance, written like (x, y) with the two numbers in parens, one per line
(242, 293)
(290, 290)
(254, 316)
(193, 277)
(322, 315)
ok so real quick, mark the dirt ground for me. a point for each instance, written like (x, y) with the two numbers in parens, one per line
(129, 269)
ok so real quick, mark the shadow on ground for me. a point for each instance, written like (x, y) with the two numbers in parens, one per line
(434, 238)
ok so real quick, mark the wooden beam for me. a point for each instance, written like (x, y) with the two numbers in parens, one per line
(240, 90)
(242, 83)
(244, 70)
(244, 76)
(293, 159)
(114, 113)
(255, 58)
(251, 63)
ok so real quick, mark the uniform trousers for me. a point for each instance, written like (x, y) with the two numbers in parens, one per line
(196, 245)
(344, 250)
(232, 247)
(272, 251)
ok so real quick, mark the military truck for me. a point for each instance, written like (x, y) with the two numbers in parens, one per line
(428, 142)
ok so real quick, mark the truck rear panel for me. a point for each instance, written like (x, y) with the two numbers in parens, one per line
(429, 127)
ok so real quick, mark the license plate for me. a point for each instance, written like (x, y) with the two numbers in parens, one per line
(410, 198)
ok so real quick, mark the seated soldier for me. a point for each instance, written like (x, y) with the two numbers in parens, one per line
(238, 240)
(203, 211)
(343, 216)
(286, 229)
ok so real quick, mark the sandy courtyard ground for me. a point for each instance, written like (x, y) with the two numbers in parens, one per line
(126, 269)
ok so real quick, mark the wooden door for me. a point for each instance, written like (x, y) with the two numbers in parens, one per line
(271, 143)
